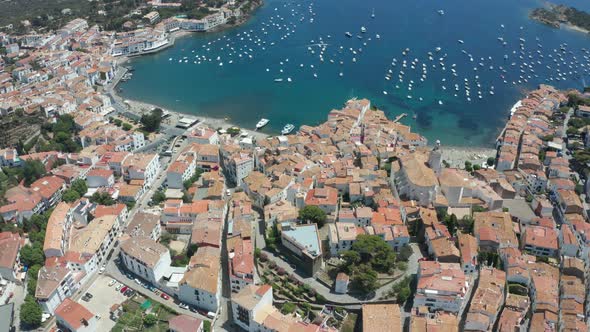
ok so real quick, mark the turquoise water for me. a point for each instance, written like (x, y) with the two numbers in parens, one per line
(244, 91)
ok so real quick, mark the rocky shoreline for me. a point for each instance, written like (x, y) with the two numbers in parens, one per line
(557, 16)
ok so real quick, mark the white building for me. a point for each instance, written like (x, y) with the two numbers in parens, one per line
(239, 167)
(246, 305)
(201, 284)
(54, 285)
(341, 285)
(415, 180)
(146, 258)
(441, 286)
(72, 316)
(141, 166)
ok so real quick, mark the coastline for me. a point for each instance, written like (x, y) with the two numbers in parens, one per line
(140, 108)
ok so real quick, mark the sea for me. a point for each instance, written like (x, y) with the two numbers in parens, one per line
(466, 64)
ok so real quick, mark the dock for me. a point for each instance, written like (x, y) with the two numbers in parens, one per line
(400, 117)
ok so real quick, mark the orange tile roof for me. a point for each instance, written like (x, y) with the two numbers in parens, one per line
(73, 313)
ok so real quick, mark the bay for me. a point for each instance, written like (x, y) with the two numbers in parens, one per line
(244, 91)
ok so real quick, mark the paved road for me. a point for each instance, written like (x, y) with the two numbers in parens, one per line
(114, 271)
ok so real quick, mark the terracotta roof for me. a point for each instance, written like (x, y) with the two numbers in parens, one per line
(75, 314)
(56, 227)
(144, 250)
(10, 244)
(381, 317)
(184, 323)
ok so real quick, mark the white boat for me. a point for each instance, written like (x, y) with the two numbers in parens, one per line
(461, 41)
(363, 29)
(287, 129)
(348, 34)
(263, 122)
(441, 12)
(278, 79)
(289, 79)
(373, 13)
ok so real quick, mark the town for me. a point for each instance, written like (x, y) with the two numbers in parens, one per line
(119, 220)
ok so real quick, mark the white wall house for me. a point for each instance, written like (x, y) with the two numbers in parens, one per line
(146, 258)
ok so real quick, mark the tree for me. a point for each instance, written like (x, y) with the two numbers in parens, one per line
(468, 166)
(127, 126)
(351, 258)
(31, 313)
(451, 222)
(192, 249)
(491, 161)
(288, 308)
(70, 196)
(364, 278)
(32, 255)
(374, 250)
(102, 198)
(402, 290)
(150, 319)
(33, 170)
(151, 122)
(312, 213)
(159, 197)
(79, 186)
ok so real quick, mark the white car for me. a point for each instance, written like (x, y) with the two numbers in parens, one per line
(119, 288)
(112, 282)
(101, 270)
(183, 306)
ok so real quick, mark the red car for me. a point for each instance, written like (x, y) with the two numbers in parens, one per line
(164, 296)
(124, 289)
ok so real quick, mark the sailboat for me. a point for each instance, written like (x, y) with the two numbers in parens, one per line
(373, 13)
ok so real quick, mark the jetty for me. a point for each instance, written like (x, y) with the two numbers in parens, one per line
(400, 117)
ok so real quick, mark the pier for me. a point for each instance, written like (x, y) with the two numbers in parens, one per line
(400, 117)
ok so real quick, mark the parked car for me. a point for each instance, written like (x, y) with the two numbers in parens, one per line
(128, 292)
(112, 282)
(119, 287)
(101, 270)
(183, 306)
(124, 289)
(88, 295)
(165, 296)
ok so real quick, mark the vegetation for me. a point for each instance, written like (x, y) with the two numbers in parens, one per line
(32, 171)
(288, 308)
(369, 254)
(490, 259)
(31, 313)
(314, 214)
(151, 122)
(188, 183)
(102, 198)
(165, 238)
(557, 13)
(158, 197)
(273, 238)
(150, 319)
(60, 136)
(77, 189)
(452, 223)
(402, 290)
